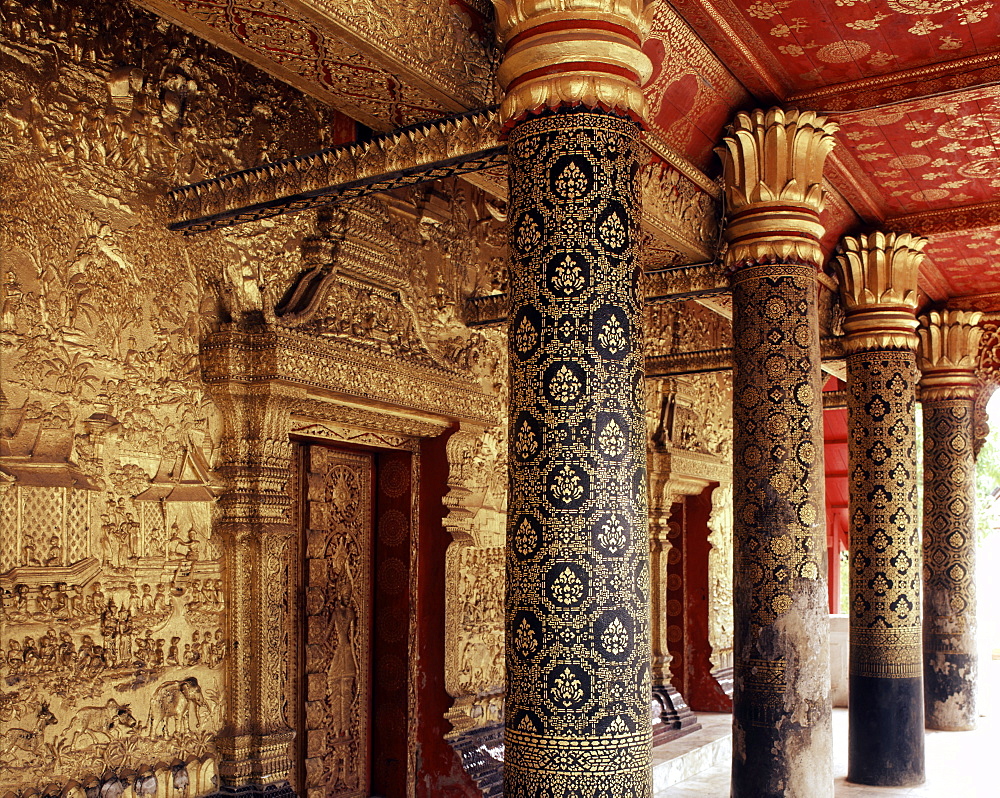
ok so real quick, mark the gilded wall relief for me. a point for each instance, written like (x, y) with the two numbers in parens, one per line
(675, 327)
(693, 413)
(112, 645)
(474, 563)
(720, 578)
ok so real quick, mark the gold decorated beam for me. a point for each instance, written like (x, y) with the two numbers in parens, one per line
(446, 148)
(709, 360)
(385, 70)
(701, 281)
(947, 220)
(679, 203)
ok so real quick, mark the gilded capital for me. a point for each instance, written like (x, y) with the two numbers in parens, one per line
(948, 354)
(878, 286)
(773, 169)
(572, 53)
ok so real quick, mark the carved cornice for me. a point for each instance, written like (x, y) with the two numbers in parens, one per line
(661, 149)
(573, 52)
(834, 400)
(910, 84)
(345, 372)
(947, 220)
(677, 210)
(773, 168)
(445, 148)
(676, 285)
(702, 362)
(948, 354)
(878, 285)
(310, 417)
(709, 360)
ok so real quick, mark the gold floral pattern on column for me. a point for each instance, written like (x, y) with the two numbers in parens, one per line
(949, 343)
(773, 166)
(878, 284)
(577, 716)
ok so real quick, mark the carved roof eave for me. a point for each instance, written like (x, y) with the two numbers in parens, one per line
(697, 468)
(344, 373)
(29, 472)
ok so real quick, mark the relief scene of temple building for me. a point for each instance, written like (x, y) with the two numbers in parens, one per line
(456, 398)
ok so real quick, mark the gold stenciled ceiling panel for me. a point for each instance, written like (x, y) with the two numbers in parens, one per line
(386, 70)
(691, 95)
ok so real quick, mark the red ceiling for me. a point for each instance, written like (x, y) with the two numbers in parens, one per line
(971, 260)
(804, 44)
(926, 138)
(930, 154)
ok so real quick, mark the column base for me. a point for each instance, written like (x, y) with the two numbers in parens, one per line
(671, 715)
(281, 789)
(725, 677)
(255, 762)
(886, 737)
(950, 691)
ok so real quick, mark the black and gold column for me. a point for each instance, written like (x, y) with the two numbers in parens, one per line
(878, 283)
(782, 738)
(577, 602)
(949, 342)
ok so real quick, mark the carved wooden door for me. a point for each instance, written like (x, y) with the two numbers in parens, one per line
(335, 512)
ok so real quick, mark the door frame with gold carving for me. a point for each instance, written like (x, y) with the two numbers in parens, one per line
(384, 649)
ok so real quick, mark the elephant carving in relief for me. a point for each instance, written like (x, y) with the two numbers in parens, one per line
(174, 701)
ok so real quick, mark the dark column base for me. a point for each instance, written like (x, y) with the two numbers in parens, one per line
(674, 718)
(281, 789)
(886, 738)
(950, 691)
(724, 677)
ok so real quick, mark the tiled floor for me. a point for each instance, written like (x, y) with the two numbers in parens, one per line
(958, 764)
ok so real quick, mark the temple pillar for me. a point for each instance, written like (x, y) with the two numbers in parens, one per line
(256, 538)
(782, 736)
(577, 709)
(878, 283)
(949, 341)
(670, 712)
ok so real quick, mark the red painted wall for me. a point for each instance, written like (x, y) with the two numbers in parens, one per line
(439, 771)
